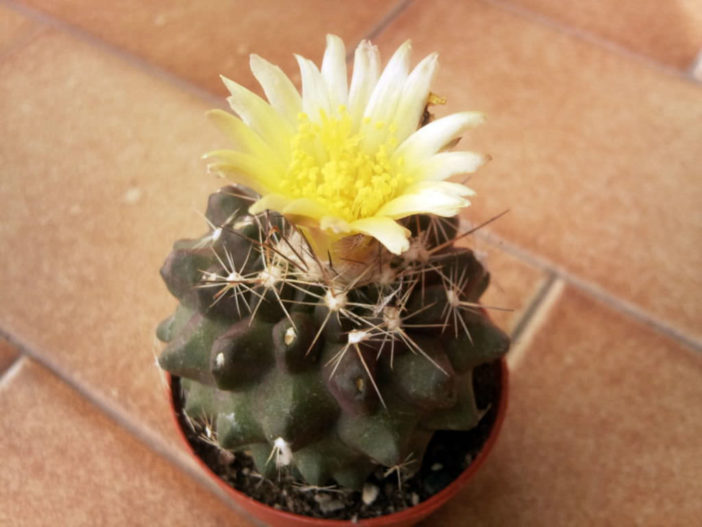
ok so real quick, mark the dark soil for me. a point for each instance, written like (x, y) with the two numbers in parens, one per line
(449, 453)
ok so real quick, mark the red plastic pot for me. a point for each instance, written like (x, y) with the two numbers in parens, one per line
(407, 517)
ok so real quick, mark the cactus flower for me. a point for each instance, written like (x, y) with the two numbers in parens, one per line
(340, 159)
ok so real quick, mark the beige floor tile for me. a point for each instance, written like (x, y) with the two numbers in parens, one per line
(64, 463)
(14, 28)
(8, 355)
(595, 155)
(603, 429)
(101, 172)
(669, 32)
(201, 40)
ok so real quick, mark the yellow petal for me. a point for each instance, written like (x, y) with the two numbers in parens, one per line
(387, 231)
(274, 202)
(334, 224)
(298, 211)
(246, 169)
(260, 116)
(279, 90)
(305, 207)
(241, 135)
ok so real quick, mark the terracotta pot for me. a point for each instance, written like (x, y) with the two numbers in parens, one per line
(407, 517)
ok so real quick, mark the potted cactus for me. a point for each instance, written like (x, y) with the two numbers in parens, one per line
(328, 327)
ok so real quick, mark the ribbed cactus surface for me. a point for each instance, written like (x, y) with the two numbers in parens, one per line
(326, 366)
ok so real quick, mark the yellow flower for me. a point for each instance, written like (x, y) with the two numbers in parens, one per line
(340, 160)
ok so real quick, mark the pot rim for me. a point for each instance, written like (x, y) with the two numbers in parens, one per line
(406, 516)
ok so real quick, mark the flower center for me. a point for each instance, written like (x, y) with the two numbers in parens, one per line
(330, 164)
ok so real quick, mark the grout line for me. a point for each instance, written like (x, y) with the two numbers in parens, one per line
(384, 22)
(533, 307)
(535, 318)
(590, 38)
(121, 417)
(379, 27)
(132, 59)
(23, 41)
(592, 289)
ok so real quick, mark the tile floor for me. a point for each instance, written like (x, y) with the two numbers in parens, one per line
(595, 127)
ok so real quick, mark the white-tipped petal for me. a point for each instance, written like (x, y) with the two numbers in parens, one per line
(383, 101)
(446, 164)
(429, 139)
(440, 198)
(315, 96)
(259, 115)
(279, 90)
(334, 71)
(366, 66)
(414, 96)
(387, 231)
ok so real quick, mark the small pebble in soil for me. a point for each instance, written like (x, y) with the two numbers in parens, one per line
(370, 492)
(331, 506)
(327, 503)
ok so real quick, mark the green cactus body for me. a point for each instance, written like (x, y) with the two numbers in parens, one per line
(324, 371)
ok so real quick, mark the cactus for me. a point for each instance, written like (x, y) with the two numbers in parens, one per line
(327, 368)
(328, 324)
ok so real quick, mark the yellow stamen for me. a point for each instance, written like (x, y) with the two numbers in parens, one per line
(331, 165)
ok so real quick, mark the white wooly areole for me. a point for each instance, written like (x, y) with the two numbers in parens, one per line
(282, 452)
